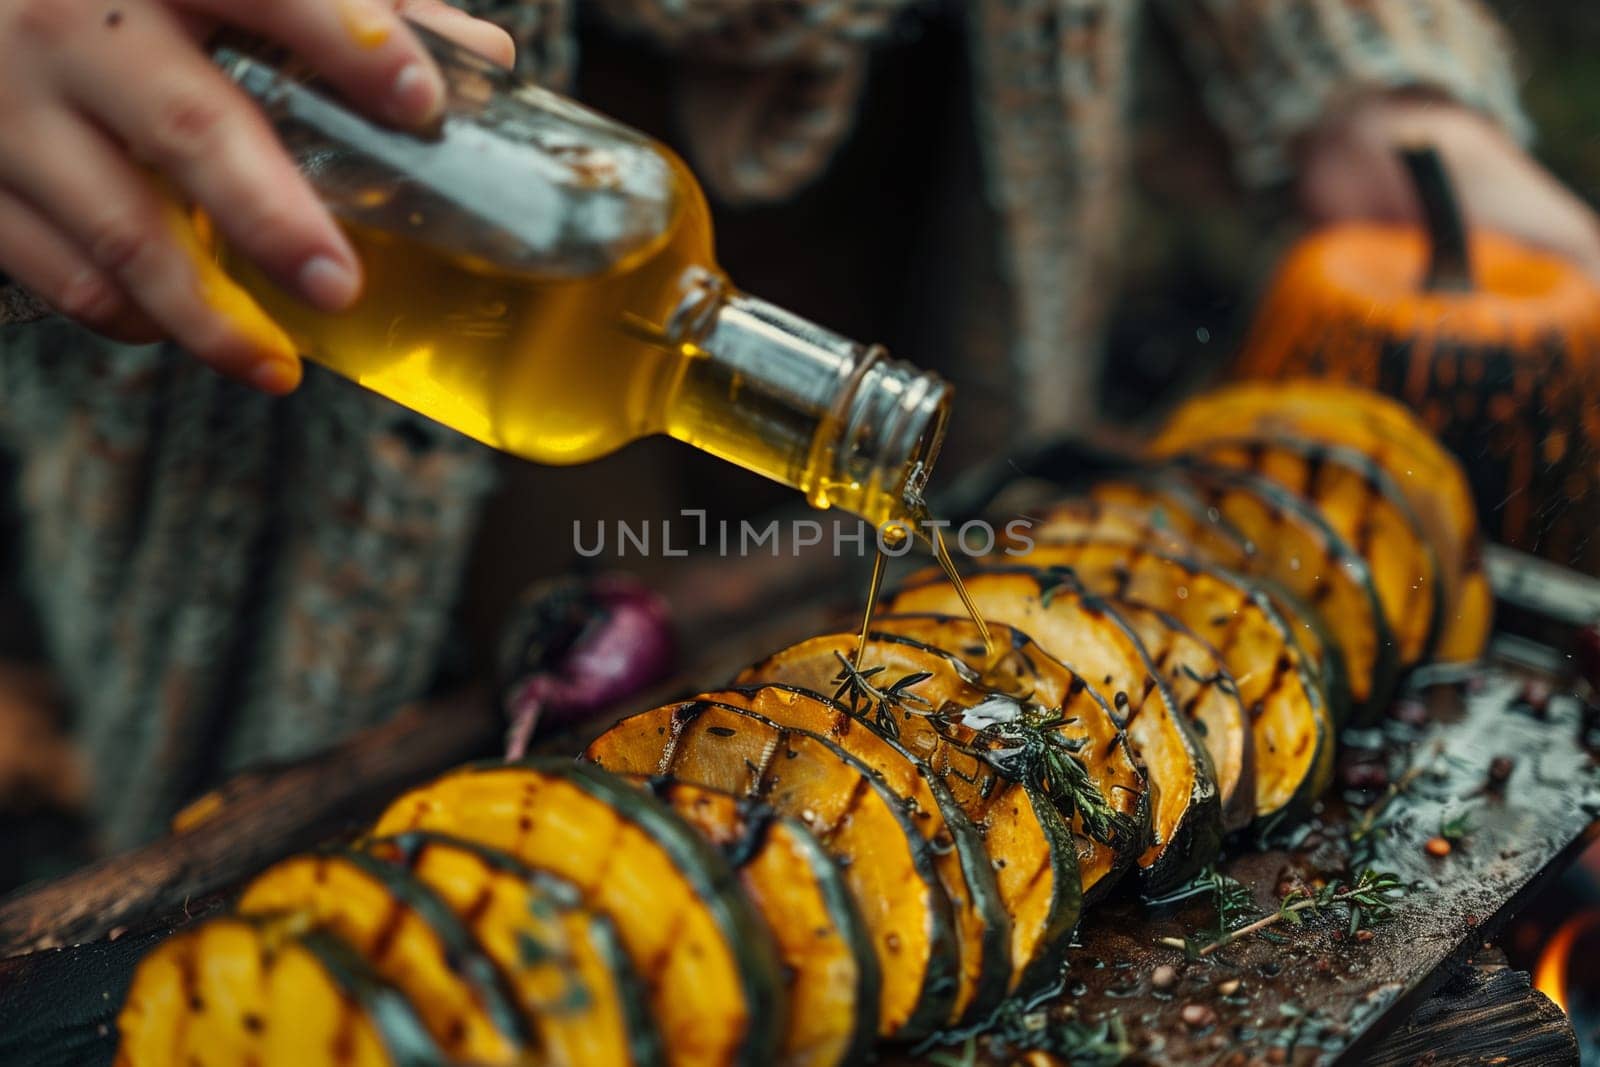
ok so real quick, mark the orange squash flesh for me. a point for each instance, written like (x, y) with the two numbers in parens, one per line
(1361, 503)
(244, 991)
(1293, 730)
(1089, 637)
(1296, 548)
(1383, 429)
(702, 952)
(823, 945)
(576, 987)
(1023, 838)
(406, 936)
(863, 823)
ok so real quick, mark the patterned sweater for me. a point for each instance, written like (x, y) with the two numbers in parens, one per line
(224, 578)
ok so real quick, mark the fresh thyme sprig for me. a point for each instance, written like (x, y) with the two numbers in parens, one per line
(1367, 824)
(868, 700)
(1370, 900)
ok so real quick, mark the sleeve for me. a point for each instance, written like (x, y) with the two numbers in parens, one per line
(1271, 69)
(17, 305)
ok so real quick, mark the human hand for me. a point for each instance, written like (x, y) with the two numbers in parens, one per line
(105, 101)
(1349, 170)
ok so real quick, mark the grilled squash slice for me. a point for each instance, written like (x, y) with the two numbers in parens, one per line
(1208, 696)
(867, 826)
(1089, 636)
(265, 991)
(699, 945)
(823, 943)
(1297, 549)
(1024, 671)
(959, 858)
(1294, 735)
(1360, 501)
(409, 938)
(566, 966)
(1385, 430)
(1022, 838)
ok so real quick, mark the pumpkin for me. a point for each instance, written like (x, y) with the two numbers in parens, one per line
(823, 943)
(1496, 346)
(1104, 648)
(1022, 838)
(698, 943)
(863, 823)
(266, 990)
(409, 938)
(569, 972)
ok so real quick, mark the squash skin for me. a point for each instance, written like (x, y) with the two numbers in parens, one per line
(1165, 503)
(1021, 837)
(1299, 551)
(224, 987)
(580, 992)
(408, 937)
(1359, 501)
(822, 939)
(1504, 375)
(860, 821)
(982, 926)
(1088, 635)
(699, 945)
(1389, 434)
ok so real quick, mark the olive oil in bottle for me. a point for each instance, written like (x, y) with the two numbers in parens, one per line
(542, 279)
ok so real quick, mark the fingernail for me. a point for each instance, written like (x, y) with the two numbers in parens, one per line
(417, 95)
(275, 376)
(328, 283)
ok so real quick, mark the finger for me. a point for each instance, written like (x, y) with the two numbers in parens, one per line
(141, 239)
(362, 47)
(45, 262)
(158, 94)
(474, 34)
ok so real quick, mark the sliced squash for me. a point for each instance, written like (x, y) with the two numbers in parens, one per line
(266, 991)
(823, 943)
(409, 938)
(982, 925)
(1360, 501)
(1022, 838)
(1297, 548)
(1208, 696)
(867, 826)
(1385, 430)
(1089, 636)
(566, 966)
(1293, 729)
(699, 945)
(1026, 672)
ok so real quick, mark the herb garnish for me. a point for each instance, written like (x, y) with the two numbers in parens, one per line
(1370, 900)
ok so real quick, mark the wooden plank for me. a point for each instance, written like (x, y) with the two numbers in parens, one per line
(1316, 995)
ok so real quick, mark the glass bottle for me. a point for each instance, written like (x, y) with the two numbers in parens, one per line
(542, 279)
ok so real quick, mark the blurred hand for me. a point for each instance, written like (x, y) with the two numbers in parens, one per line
(1349, 171)
(104, 98)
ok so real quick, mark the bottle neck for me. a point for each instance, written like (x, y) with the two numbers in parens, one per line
(842, 422)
